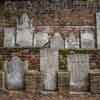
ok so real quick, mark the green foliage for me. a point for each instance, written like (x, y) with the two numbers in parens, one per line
(90, 1)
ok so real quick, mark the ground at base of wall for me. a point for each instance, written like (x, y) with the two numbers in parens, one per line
(12, 95)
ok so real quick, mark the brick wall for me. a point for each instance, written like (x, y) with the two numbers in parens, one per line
(65, 17)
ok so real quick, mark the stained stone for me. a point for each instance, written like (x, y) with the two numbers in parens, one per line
(24, 31)
(78, 66)
(15, 73)
(49, 67)
(87, 39)
(9, 37)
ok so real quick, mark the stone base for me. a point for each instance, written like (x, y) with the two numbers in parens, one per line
(32, 82)
(44, 92)
(2, 80)
(83, 88)
(94, 76)
(63, 82)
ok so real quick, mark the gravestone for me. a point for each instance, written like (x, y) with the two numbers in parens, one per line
(57, 41)
(98, 28)
(87, 39)
(41, 37)
(24, 31)
(78, 65)
(9, 37)
(72, 41)
(15, 73)
(49, 67)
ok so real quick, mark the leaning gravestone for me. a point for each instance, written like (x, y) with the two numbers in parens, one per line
(48, 67)
(15, 73)
(78, 65)
(41, 38)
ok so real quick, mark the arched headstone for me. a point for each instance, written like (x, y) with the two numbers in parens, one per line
(15, 73)
(24, 34)
(57, 41)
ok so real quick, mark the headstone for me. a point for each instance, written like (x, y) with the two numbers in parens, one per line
(78, 66)
(49, 67)
(9, 37)
(15, 73)
(24, 32)
(87, 39)
(41, 38)
(98, 28)
(57, 41)
(72, 41)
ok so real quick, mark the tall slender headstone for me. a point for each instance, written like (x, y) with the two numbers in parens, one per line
(49, 67)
